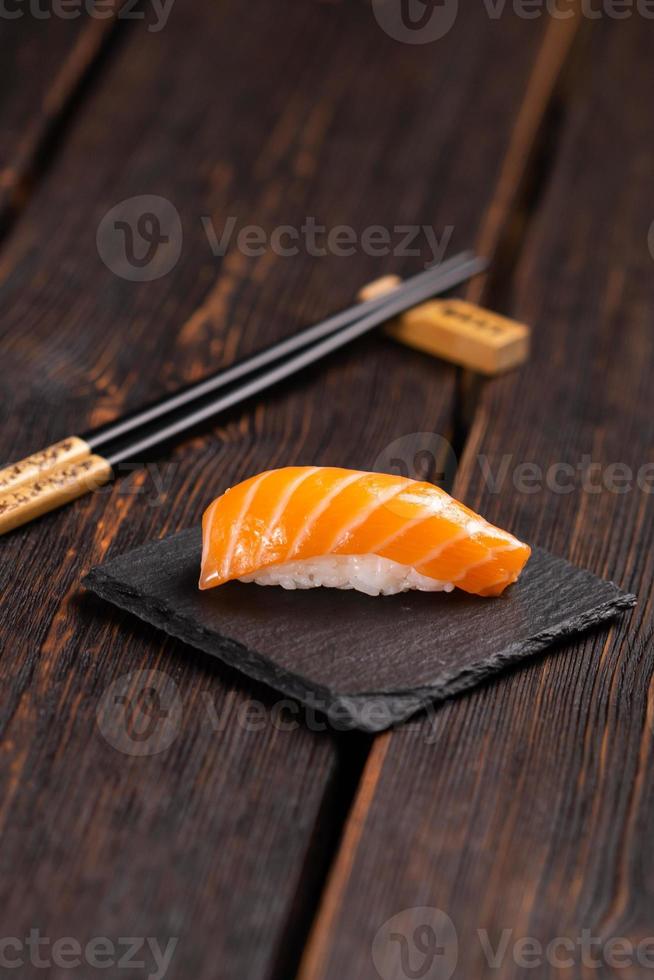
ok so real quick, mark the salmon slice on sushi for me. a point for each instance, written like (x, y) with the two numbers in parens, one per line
(308, 526)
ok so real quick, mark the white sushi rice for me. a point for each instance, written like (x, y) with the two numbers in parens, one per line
(365, 573)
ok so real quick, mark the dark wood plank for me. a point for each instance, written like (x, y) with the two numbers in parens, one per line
(527, 806)
(45, 61)
(224, 113)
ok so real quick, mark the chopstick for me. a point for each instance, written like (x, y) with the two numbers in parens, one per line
(110, 432)
(78, 447)
(72, 467)
(397, 302)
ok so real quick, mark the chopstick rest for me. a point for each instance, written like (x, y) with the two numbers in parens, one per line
(457, 331)
(32, 467)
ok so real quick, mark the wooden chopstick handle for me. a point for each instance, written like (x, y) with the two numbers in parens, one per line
(51, 490)
(32, 467)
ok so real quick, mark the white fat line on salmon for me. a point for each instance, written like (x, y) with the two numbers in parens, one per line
(430, 511)
(283, 503)
(397, 533)
(206, 540)
(436, 553)
(467, 531)
(320, 509)
(236, 527)
(380, 501)
(491, 556)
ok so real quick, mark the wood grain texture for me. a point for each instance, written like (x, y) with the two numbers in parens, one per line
(45, 61)
(528, 806)
(223, 113)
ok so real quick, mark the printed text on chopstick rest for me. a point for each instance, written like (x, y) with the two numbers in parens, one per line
(457, 331)
(465, 334)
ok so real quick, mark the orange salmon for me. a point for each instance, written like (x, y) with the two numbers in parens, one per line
(301, 512)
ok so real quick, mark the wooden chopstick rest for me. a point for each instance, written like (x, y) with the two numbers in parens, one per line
(51, 490)
(457, 331)
(32, 467)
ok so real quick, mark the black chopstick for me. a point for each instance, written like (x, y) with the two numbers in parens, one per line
(174, 424)
(72, 467)
(107, 436)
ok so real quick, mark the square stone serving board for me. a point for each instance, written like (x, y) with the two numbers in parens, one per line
(365, 662)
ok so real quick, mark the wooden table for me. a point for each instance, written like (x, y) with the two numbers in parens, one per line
(268, 847)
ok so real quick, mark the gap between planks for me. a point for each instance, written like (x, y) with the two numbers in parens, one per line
(520, 187)
(514, 191)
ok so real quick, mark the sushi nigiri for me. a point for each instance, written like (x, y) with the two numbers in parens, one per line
(306, 526)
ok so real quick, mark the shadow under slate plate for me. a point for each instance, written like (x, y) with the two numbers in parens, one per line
(365, 662)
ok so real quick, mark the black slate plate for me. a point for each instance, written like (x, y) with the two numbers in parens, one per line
(365, 662)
